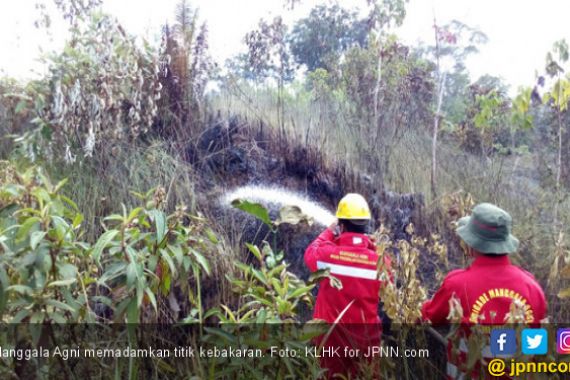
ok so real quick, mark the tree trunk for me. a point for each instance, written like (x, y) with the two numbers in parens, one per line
(559, 166)
(559, 161)
(280, 113)
(559, 171)
(378, 81)
(436, 120)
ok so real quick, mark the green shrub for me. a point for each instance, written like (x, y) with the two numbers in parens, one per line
(44, 266)
(147, 252)
(49, 273)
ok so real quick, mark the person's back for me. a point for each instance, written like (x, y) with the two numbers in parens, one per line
(352, 258)
(488, 288)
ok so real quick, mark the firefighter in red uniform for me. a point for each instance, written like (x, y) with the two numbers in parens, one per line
(350, 255)
(486, 289)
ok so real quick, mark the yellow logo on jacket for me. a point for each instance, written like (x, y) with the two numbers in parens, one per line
(489, 295)
(351, 257)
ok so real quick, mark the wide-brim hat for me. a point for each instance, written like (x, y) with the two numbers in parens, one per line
(488, 230)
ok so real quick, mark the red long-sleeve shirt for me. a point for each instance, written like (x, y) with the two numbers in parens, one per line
(486, 291)
(352, 258)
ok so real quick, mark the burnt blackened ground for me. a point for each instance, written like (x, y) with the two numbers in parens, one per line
(235, 152)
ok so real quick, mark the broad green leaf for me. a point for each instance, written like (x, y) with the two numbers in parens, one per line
(164, 254)
(160, 224)
(113, 271)
(36, 238)
(230, 315)
(132, 312)
(277, 286)
(77, 220)
(246, 269)
(22, 289)
(60, 185)
(4, 280)
(201, 260)
(134, 213)
(151, 298)
(255, 250)
(212, 312)
(131, 274)
(301, 291)
(166, 282)
(62, 282)
(58, 318)
(3, 300)
(261, 316)
(67, 271)
(102, 243)
(59, 305)
(178, 254)
(271, 262)
(69, 202)
(19, 317)
(114, 217)
(25, 228)
(61, 227)
(152, 263)
(11, 190)
(41, 195)
(259, 275)
(140, 286)
(255, 209)
(211, 236)
(37, 317)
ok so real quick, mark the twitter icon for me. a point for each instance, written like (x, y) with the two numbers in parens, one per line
(534, 341)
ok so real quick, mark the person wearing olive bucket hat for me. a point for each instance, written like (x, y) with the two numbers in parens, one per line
(491, 284)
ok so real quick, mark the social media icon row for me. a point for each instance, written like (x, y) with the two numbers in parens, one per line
(533, 341)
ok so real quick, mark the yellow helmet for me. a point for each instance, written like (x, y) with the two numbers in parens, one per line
(353, 206)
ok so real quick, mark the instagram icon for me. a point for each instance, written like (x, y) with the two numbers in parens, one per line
(563, 341)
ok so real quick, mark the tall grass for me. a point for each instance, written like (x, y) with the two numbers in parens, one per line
(102, 185)
(514, 183)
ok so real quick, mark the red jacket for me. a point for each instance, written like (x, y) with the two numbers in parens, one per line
(352, 258)
(486, 290)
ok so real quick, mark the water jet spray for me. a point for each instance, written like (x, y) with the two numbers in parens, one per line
(271, 195)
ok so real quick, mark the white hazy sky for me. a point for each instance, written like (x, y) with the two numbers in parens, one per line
(520, 32)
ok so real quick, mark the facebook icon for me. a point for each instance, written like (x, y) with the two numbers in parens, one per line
(503, 342)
